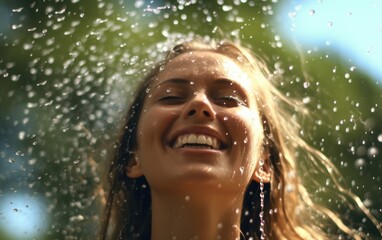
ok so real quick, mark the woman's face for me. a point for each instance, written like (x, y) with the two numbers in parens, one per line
(200, 128)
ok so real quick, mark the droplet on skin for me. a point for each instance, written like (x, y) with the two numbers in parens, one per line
(219, 226)
(187, 198)
(241, 170)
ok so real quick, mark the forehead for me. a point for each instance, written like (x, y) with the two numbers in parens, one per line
(205, 65)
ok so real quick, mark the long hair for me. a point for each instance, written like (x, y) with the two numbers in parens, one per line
(288, 210)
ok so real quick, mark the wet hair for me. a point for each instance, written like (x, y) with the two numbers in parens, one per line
(289, 211)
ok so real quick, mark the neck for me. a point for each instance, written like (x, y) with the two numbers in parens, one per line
(195, 217)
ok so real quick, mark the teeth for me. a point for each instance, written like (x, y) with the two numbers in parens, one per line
(196, 139)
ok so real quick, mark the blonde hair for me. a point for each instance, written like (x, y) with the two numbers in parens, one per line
(289, 211)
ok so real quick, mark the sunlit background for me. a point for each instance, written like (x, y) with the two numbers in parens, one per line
(352, 29)
(68, 69)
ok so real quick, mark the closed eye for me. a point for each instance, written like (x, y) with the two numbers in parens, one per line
(172, 99)
(231, 101)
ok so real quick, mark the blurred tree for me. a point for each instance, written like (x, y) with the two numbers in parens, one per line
(68, 69)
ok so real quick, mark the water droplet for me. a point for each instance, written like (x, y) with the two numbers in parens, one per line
(27, 46)
(187, 198)
(312, 12)
(21, 135)
(261, 162)
(17, 9)
(372, 152)
(14, 26)
(289, 188)
(241, 170)
(360, 162)
(306, 100)
(32, 161)
(227, 8)
(380, 137)
(327, 182)
(367, 202)
(220, 226)
(225, 119)
(11, 160)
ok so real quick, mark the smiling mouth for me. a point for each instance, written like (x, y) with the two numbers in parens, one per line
(199, 141)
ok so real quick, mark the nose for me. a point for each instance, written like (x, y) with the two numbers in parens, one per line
(199, 107)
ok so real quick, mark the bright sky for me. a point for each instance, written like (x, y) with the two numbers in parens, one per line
(22, 216)
(351, 27)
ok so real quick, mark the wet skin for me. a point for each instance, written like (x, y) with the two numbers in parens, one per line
(209, 96)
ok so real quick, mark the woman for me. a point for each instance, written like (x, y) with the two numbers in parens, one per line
(208, 152)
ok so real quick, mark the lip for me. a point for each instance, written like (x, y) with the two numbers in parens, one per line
(223, 143)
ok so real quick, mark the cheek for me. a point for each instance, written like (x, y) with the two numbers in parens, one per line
(245, 125)
(153, 125)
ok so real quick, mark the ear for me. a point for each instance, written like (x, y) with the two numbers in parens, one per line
(263, 174)
(134, 168)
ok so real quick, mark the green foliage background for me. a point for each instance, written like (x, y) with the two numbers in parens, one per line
(68, 70)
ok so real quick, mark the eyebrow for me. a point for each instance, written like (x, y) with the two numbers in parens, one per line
(224, 81)
(227, 81)
(174, 80)
(231, 83)
(218, 81)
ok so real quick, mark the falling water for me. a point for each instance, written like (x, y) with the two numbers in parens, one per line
(68, 70)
